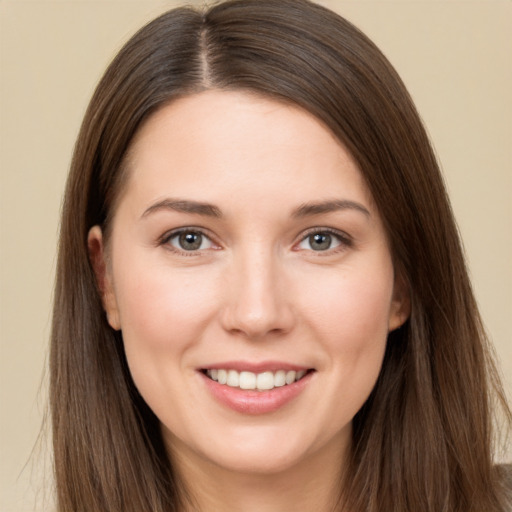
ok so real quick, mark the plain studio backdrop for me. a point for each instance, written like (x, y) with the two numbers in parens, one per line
(454, 56)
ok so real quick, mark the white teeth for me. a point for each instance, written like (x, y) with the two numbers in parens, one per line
(279, 378)
(247, 380)
(290, 377)
(233, 378)
(265, 381)
(262, 381)
(222, 376)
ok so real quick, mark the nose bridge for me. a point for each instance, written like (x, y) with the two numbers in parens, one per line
(257, 304)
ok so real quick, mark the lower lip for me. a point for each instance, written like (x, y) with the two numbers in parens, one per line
(256, 402)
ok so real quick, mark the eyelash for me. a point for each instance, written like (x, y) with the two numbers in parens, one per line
(165, 239)
(345, 241)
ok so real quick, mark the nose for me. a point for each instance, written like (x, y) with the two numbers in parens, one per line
(258, 301)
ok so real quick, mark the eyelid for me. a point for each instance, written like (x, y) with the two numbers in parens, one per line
(344, 238)
(168, 235)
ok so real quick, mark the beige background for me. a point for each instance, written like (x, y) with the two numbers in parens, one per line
(455, 57)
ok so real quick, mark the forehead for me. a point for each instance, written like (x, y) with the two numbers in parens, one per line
(218, 145)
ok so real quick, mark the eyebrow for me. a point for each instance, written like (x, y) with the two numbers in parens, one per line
(209, 210)
(333, 205)
(185, 206)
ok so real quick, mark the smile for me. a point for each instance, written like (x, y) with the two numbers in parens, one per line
(256, 388)
(263, 381)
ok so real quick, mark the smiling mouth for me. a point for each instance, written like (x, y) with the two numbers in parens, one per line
(264, 381)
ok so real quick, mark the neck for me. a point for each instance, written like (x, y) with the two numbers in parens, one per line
(311, 485)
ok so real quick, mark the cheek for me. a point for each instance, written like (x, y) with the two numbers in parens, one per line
(354, 327)
(349, 315)
(163, 313)
(351, 309)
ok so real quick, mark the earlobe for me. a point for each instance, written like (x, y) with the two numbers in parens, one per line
(98, 260)
(400, 305)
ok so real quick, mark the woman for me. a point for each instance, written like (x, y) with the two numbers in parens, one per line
(261, 301)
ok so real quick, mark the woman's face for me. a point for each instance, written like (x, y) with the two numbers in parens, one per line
(250, 274)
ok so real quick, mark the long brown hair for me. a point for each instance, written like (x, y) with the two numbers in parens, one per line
(423, 441)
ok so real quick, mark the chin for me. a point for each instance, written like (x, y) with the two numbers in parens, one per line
(262, 450)
(247, 462)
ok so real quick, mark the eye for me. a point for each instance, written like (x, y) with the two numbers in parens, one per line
(323, 240)
(188, 241)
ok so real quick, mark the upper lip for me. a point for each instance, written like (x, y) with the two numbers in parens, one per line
(255, 367)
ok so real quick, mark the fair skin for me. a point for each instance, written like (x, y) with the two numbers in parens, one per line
(245, 239)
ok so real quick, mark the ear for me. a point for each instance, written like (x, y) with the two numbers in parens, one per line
(400, 305)
(103, 276)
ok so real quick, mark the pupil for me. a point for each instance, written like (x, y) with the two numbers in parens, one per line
(320, 241)
(190, 241)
